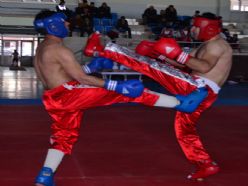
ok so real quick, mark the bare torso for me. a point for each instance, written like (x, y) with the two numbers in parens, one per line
(55, 65)
(47, 65)
(218, 53)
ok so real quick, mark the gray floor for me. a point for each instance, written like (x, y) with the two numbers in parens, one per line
(17, 84)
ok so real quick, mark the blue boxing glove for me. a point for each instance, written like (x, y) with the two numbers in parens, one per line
(190, 102)
(97, 64)
(130, 88)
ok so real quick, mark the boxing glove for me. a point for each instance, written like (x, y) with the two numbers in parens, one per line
(129, 88)
(97, 64)
(169, 48)
(93, 46)
(144, 48)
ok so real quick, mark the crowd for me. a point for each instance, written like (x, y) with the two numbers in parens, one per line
(87, 18)
(167, 23)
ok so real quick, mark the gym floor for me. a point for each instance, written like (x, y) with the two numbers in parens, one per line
(125, 145)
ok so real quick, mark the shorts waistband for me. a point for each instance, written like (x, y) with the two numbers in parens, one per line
(68, 85)
(211, 84)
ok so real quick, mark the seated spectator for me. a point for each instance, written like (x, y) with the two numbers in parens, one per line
(167, 32)
(61, 7)
(76, 24)
(162, 18)
(86, 13)
(104, 11)
(177, 34)
(197, 13)
(87, 26)
(171, 15)
(81, 7)
(83, 4)
(185, 37)
(122, 26)
(93, 10)
(225, 34)
(234, 42)
(150, 15)
(185, 34)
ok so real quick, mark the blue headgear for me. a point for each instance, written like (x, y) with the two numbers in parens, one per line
(54, 25)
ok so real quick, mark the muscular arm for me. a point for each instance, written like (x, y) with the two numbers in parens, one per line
(205, 59)
(73, 69)
(174, 63)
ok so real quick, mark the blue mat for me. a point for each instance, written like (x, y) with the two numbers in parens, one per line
(229, 95)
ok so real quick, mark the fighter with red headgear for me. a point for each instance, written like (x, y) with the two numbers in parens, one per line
(210, 65)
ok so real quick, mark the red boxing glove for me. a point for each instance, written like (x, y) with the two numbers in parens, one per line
(169, 47)
(144, 48)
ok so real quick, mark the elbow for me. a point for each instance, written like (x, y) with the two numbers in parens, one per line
(204, 69)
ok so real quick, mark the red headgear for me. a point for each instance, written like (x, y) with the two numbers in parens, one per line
(208, 27)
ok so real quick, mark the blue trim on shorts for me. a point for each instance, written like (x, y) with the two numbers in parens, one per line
(220, 101)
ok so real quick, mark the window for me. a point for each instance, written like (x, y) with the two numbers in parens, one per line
(239, 5)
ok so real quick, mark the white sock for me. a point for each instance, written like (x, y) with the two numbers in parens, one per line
(166, 101)
(53, 159)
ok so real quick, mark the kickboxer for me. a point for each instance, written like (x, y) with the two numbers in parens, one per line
(209, 64)
(69, 91)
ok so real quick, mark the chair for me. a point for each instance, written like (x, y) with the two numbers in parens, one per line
(96, 21)
(108, 29)
(114, 18)
(99, 28)
(106, 22)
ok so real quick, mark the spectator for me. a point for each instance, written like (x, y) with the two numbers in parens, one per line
(104, 11)
(235, 42)
(197, 13)
(76, 24)
(185, 37)
(225, 34)
(150, 15)
(185, 34)
(162, 18)
(171, 15)
(122, 26)
(87, 26)
(81, 7)
(93, 10)
(15, 58)
(86, 13)
(167, 32)
(83, 4)
(61, 7)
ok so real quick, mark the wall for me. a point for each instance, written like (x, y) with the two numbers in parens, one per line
(19, 21)
(129, 8)
(136, 8)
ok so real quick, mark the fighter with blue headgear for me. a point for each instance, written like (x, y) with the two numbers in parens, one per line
(52, 23)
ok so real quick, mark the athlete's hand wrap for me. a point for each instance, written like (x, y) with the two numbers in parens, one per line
(129, 88)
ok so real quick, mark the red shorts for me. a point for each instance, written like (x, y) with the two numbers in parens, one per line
(66, 103)
(177, 82)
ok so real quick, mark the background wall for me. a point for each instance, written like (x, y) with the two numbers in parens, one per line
(128, 8)
(186, 7)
